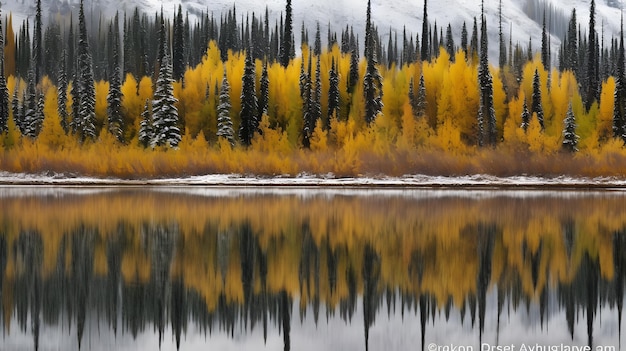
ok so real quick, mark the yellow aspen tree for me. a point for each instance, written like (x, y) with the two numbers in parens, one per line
(52, 135)
(102, 90)
(605, 113)
(319, 139)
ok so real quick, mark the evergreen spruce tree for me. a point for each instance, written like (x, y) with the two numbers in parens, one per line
(308, 121)
(353, 77)
(224, 122)
(164, 112)
(264, 97)
(333, 93)
(178, 46)
(486, 123)
(30, 126)
(115, 118)
(545, 46)
(425, 43)
(38, 43)
(537, 106)
(525, 117)
(249, 107)
(450, 43)
(17, 111)
(287, 43)
(85, 98)
(570, 139)
(316, 104)
(317, 45)
(372, 82)
(62, 95)
(70, 61)
(420, 103)
(502, 57)
(571, 52)
(474, 41)
(592, 83)
(619, 107)
(4, 92)
(146, 133)
(464, 42)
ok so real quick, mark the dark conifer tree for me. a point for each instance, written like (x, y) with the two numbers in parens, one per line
(570, 139)
(425, 35)
(571, 52)
(316, 100)
(85, 99)
(4, 92)
(420, 103)
(31, 125)
(537, 106)
(224, 122)
(474, 41)
(450, 43)
(38, 43)
(372, 82)
(592, 83)
(502, 57)
(115, 119)
(166, 131)
(464, 42)
(17, 111)
(619, 108)
(308, 122)
(333, 94)
(287, 43)
(146, 133)
(264, 97)
(545, 49)
(249, 107)
(62, 94)
(353, 78)
(487, 133)
(317, 45)
(70, 60)
(178, 46)
(525, 117)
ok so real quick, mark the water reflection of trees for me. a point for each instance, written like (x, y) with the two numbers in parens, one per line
(155, 274)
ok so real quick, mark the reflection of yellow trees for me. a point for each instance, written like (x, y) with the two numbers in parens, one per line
(424, 245)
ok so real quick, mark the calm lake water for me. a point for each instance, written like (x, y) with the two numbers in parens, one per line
(311, 269)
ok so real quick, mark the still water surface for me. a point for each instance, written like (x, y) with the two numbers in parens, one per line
(310, 269)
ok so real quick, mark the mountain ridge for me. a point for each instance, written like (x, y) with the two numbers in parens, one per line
(394, 15)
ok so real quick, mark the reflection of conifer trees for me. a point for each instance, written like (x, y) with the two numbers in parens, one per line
(114, 277)
(619, 260)
(178, 309)
(371, 276)
(486, 236)
(309, 261)
(247, 257)
(162, 238)
(285, 315)
(82, 271)
(29, 249)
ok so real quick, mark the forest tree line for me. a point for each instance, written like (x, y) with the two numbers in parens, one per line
(215, 87)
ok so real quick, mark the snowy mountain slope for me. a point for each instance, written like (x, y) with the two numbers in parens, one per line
(387, 14)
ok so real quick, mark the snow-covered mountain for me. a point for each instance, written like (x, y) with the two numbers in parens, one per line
(387, 14)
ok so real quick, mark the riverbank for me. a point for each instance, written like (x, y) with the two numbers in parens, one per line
(303, 180)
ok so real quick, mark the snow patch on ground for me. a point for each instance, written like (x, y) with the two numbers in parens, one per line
(304, 180)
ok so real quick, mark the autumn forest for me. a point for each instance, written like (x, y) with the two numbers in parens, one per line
(142, 95)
